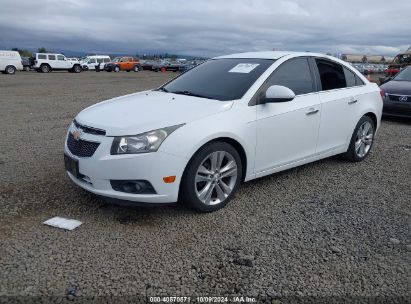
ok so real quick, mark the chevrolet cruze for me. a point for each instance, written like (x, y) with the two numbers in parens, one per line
(227, 121)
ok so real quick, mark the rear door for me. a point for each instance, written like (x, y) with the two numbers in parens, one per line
(340, 102)
(287, 132)
(53, 62)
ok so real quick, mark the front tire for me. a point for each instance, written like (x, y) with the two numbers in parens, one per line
(361, 140)
(117, 69)
(76, 68)
(211, 177)
(10, 70)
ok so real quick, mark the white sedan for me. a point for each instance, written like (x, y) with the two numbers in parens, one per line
(229, 120)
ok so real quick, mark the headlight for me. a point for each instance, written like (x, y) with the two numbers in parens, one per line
(141, 143)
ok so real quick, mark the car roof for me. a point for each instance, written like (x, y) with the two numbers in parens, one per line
(267, 55)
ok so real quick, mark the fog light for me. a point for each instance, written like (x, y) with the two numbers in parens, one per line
(133, 186)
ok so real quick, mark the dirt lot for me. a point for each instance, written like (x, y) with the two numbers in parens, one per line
(331, 228)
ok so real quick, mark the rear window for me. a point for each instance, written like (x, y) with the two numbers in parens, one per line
(352, 79)
(349, 78)
(331, 75)
(221, 79)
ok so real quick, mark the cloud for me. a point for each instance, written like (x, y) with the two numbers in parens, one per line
(207, 28)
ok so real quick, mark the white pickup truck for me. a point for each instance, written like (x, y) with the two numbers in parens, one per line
(46, 62)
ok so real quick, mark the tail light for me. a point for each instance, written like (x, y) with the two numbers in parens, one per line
(382, 93)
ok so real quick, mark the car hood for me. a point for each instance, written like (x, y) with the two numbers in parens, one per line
(397, 87)
(145, 111)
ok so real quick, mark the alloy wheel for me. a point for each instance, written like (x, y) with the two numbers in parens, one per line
(364, 138)
(216, 178)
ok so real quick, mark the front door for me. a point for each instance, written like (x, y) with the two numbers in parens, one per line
(287, 132)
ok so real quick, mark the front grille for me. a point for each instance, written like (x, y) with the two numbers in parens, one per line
(81, 147)
(89, 130)
(397, 97)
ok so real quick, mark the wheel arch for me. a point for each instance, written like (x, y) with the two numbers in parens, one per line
(231, 141)
(373, 118)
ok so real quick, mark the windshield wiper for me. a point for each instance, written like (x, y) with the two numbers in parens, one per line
(162, 89)
(188, 93)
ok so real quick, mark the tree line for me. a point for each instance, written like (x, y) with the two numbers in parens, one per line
(27, 53)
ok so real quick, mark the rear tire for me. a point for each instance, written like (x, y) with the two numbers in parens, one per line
(212, 177)
(136, 69)
(10, 70)
(362, 140)
(45, 68)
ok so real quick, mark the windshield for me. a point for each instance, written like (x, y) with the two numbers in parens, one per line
(404, 75)
(117, 59)
(221, 79)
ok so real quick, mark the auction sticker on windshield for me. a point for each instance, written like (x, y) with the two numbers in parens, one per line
(244, 68)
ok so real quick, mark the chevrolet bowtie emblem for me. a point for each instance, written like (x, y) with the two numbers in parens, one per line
(76, 134)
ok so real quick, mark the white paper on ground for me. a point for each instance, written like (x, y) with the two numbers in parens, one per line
(63, 223)
(244, 68)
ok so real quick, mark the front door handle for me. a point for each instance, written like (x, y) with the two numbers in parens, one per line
(312, 111)
(352, 101)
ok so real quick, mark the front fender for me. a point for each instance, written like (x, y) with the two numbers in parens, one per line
(235, 125)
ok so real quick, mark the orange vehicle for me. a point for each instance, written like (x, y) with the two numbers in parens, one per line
(123, 64)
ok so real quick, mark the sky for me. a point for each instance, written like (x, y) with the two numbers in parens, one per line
(207, 28)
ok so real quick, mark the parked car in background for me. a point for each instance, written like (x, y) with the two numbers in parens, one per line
(168, 66)
(90, 62)
(397, 94)
(47, 62)
(25, 61)
(123, 64)
(400, 62)
(147, 64)
(359, 67)
(231, 119)
(10, 62)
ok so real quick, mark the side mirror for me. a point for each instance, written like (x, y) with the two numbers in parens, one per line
(277, 93)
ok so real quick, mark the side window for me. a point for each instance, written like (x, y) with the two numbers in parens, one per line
(60, 57)
(349, 77)
(99, 60)
(92, 60)
(106, 60)
(41, 56)
(294, 74)
(358, 81)
(331, 75)
(52, 57)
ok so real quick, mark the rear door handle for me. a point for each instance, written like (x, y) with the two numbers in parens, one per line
(352, 101)
(312, 111)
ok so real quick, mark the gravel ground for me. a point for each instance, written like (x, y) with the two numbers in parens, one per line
(330, 228)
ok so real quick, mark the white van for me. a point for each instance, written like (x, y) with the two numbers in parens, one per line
(90, 62)
(10, 62)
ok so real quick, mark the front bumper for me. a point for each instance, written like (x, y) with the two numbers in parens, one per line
(102, 167)
(396, 108)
